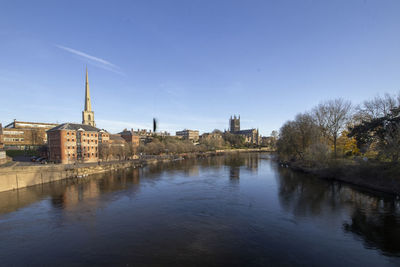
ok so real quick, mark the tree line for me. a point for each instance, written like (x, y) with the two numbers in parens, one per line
(338, 129)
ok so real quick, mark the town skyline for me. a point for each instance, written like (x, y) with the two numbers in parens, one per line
(184, 64)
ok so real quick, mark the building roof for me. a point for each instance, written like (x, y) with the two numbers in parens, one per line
(116, 137)
(21, 124)
(75, 127)
(128, 132)
(249, 131)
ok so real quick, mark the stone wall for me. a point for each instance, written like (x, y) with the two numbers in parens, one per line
(12, 178)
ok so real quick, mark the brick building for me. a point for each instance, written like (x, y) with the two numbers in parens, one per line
(69, 143)
(130, 137)
(192, 135)
(24, 135)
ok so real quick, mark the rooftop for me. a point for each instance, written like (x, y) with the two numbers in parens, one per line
(75, 127)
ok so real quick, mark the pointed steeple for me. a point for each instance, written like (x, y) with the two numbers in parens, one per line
(88, 105)
(88, 114)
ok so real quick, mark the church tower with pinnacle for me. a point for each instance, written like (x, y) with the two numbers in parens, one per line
(88, 114)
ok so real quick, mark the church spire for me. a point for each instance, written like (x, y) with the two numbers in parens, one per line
(88, 106)
(88, 114)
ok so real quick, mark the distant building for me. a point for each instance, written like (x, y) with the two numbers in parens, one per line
(24, 135)
(163, 133)
(234, 124)
(88, 114)
(192, 135)
(251, 136)
(117, 140)
(209, 136)
(130, 137)
(69, 143)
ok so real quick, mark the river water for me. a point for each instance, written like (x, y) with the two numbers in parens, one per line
(238, 210)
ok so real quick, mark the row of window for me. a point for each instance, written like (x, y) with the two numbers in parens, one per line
(13, 132)
(84, 148)
(88, 140)
(6, 139)
(84, 155)
(85, 134)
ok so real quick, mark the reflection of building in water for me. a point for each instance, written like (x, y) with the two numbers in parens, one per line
(234, 173)
(80, 192)
(91, 189)
(192, 170)
(251, 162)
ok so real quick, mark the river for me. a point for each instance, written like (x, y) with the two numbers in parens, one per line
(235, 210)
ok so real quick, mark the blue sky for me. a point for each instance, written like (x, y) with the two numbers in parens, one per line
(192, 64)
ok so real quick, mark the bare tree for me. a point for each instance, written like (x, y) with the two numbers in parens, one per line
(297, 136)
(378, 107)
(332, 117)
(104, 151)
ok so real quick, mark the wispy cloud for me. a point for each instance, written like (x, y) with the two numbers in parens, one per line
(100, 62)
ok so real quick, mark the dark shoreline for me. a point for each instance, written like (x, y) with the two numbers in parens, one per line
(379, 177)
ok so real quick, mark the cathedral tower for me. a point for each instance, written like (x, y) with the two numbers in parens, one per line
(88, 114)
(234, 124)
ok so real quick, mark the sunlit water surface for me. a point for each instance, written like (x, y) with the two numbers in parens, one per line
(241, 210)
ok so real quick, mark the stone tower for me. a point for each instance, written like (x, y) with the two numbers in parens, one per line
(88, 114)
(234, 124)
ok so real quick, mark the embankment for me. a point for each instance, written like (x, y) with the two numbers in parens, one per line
(17, 177)
(383, 177)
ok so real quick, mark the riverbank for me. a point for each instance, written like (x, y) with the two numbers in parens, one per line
(16, 177)
(383, 177)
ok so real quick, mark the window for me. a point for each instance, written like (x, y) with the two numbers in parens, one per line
(68, 147)
(67, 140)
(13, 132)
(96, 154)
(92, 154)
(73, 140)
(67, 133)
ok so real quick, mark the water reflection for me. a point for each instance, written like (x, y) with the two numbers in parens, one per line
(196, 200)
(67, 194)
(375, 218)
(377, 224)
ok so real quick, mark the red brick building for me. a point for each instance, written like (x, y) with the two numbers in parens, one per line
(69, 143)
(130, 137)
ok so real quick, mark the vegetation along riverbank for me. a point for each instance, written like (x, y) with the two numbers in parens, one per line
(355, 144)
